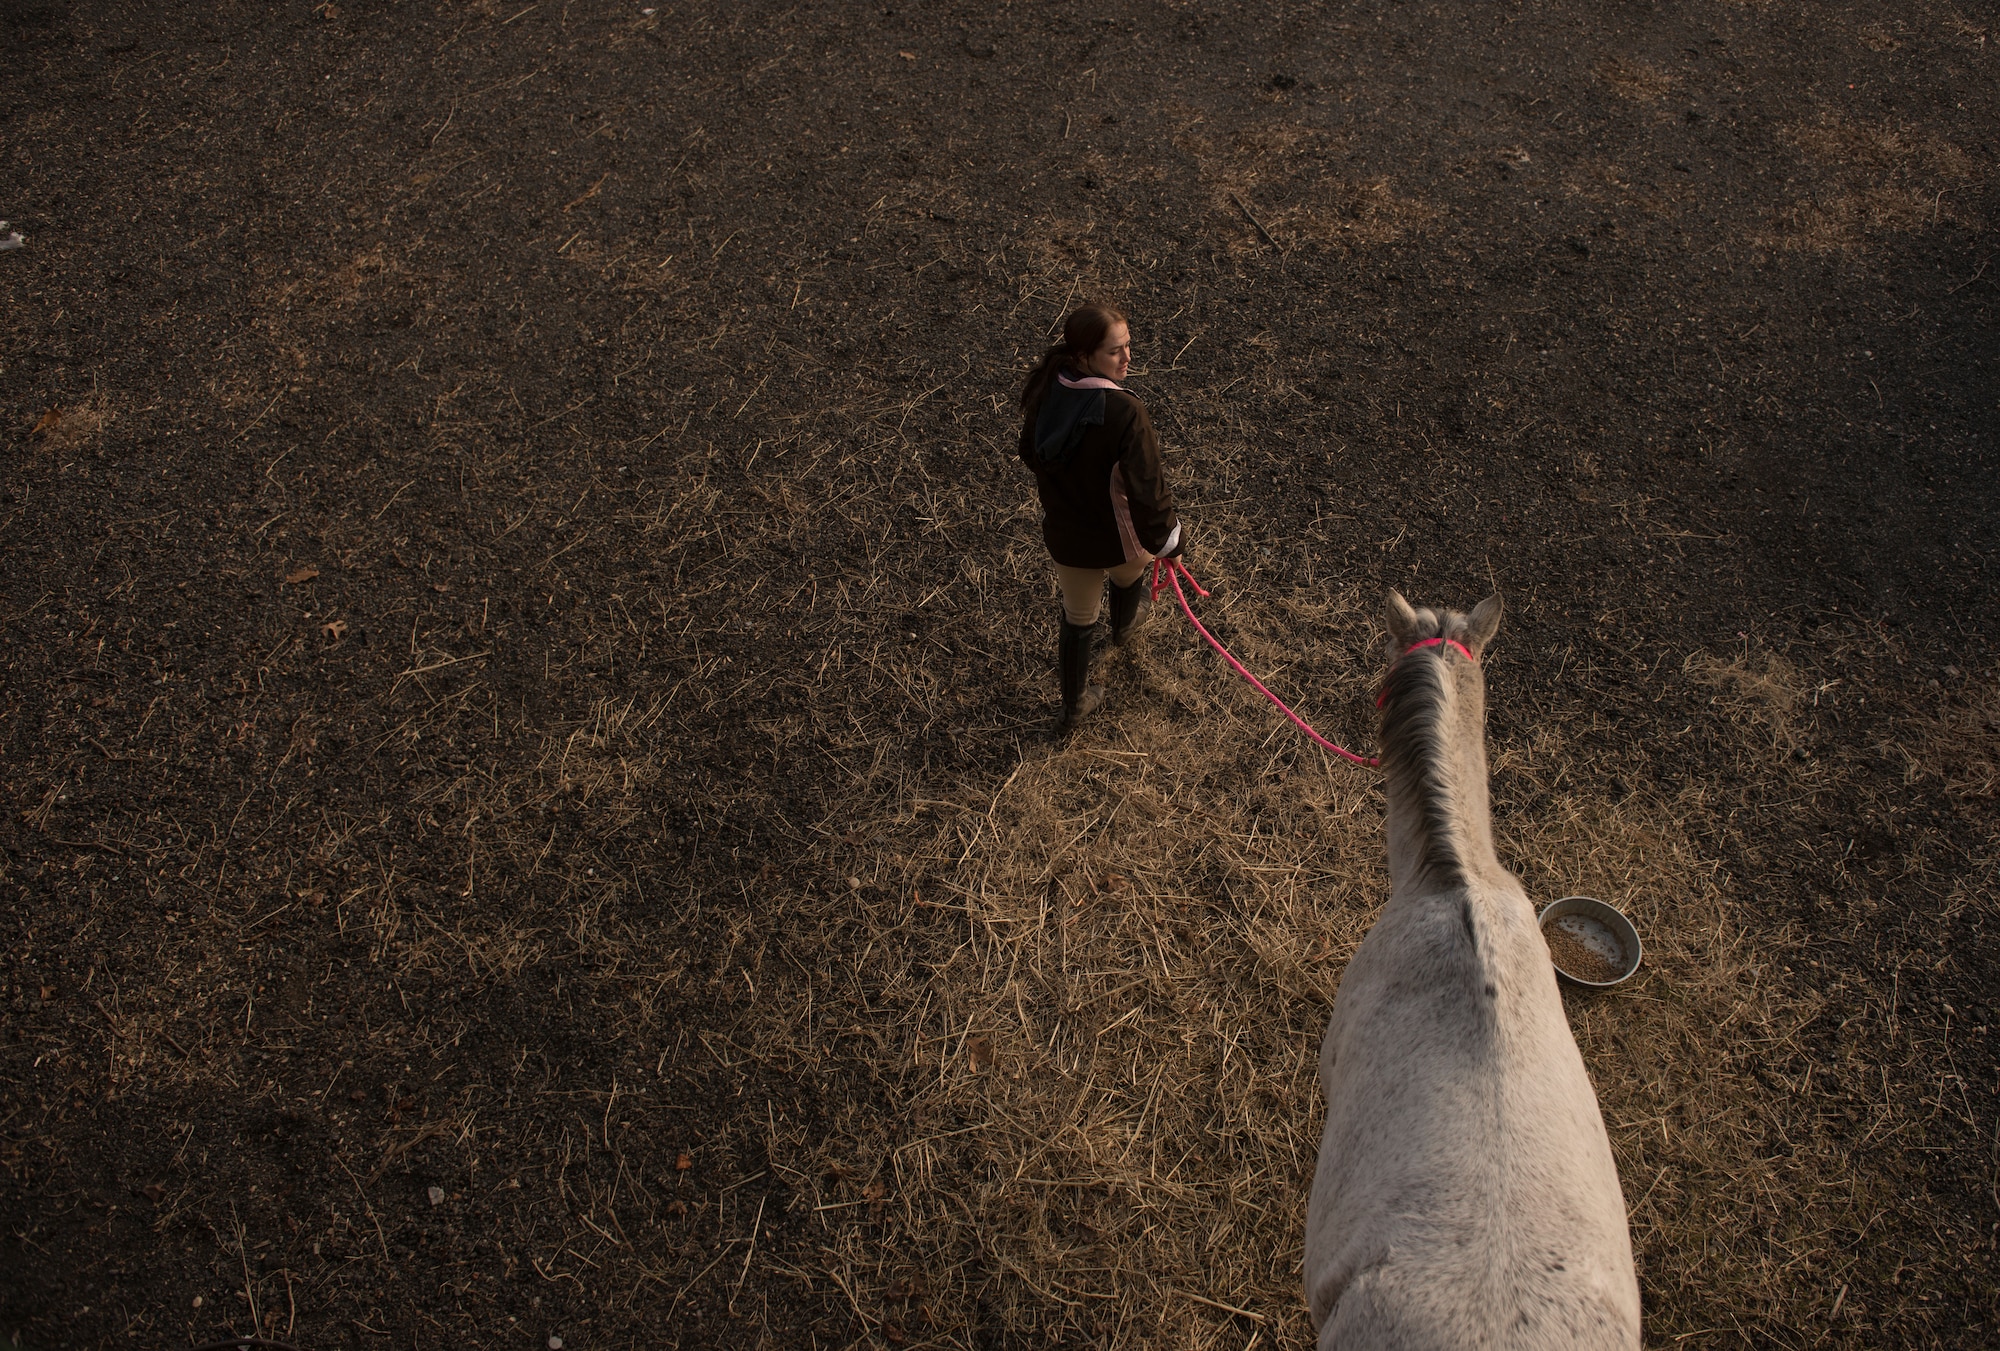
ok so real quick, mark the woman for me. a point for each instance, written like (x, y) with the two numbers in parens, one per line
(1105, 505)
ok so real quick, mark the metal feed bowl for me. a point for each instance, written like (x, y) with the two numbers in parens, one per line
(1599, 929)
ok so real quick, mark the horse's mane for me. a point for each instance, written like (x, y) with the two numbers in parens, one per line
(1414, 755)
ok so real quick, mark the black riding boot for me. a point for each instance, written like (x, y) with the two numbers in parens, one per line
(1080, 698)
(1130, 606)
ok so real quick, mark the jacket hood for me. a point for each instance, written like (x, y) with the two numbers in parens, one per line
(1069, 409)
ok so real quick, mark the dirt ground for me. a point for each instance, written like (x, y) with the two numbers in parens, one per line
(528, 662)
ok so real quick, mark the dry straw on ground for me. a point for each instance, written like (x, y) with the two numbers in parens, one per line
(62, 429)
(1636, 79)
(1084, 983)
(1874, 180)
(1100, 987)
(682, 879)
(1282, 186)
(1091, 996)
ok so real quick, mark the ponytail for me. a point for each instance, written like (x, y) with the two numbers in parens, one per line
(1083, 333)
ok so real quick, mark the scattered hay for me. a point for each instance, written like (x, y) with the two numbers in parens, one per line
(1100, 987)
(1760, 688)
(1961, 745)
(1973, 34)
(1283, 186)
(1046, 1064)
(1877, 37)
(1149, 955)
(1636, 80)
(1878, 181)
(61, 429)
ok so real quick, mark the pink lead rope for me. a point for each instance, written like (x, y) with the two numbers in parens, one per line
(1175, 570)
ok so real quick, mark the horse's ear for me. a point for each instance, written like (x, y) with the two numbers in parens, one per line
(1402, 619)
(1483, 623)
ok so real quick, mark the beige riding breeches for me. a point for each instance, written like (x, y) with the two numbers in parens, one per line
(1083, 588)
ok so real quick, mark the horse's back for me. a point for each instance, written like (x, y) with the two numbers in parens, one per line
(1465, 1195)
(1385, 1310)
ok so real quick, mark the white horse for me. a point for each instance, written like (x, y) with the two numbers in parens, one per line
(1466, 1195)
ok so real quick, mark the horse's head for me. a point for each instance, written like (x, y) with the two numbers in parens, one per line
(1409, 627)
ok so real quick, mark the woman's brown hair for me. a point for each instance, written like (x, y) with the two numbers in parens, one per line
(1083, 333)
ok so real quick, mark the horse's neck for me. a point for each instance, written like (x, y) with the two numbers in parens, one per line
(1440, 826)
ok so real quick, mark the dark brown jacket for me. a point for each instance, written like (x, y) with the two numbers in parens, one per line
(1097, 467)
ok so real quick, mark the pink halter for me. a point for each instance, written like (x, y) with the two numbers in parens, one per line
(1464, 651)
